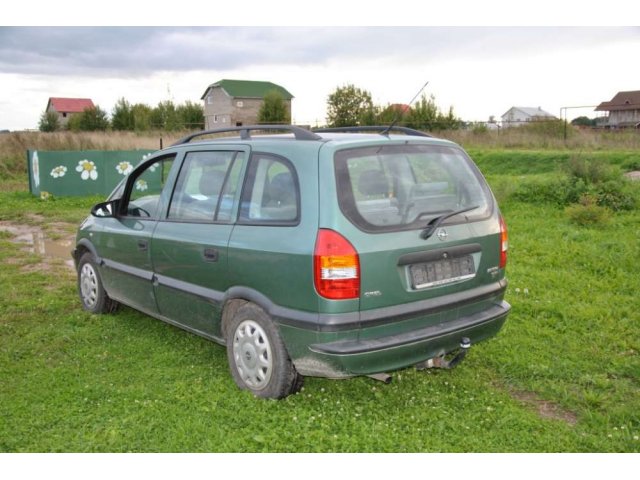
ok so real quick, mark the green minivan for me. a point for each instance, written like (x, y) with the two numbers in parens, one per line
(324, 253)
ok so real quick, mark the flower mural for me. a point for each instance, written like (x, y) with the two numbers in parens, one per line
(124, 168)
(59, 171)
(141, 185)
(87, 170)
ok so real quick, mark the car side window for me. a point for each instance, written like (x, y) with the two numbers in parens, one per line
(206, 187)
(144, 198)
(271, 194)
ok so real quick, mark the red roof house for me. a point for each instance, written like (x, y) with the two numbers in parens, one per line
(66, 107)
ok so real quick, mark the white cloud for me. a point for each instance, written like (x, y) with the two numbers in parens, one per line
(478, 71)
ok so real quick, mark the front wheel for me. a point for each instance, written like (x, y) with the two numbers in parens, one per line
(258, 359)
(92, 294)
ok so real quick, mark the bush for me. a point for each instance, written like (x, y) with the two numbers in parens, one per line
(616, 195)
(591, 171)
(49, 122)
(585, 178)
(588, 213)
(631, 165)
(90, 120)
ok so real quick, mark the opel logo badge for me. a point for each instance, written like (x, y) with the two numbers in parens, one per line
(442, 234)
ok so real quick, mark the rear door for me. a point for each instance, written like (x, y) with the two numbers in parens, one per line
(189, 247)
(390, 195)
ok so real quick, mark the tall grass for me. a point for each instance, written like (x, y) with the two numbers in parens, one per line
(533, 137)
(546, 138)
(13, 146)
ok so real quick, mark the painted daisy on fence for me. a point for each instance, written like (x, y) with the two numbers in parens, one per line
(87, 170)
(58, 171)
(124, 168)
(141, 185)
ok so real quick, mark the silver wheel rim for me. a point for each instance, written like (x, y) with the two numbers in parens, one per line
(252, 354)
(88, 285)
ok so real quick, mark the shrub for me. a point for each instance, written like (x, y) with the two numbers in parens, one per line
(591, 171)
(588, 213)
(49, 122)
(556, 191)
(90, 120)
(479, 129)
(631, 165)
(616, 195)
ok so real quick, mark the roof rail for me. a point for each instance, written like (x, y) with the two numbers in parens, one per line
(298, 132)
(376, 128)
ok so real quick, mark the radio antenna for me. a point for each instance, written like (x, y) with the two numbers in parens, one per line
(404, 110)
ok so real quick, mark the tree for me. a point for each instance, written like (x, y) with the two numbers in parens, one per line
(122, 116)
(426, 115)
(423, 115)
(191, 116)
(449, 121)
(391, 113)
(49, 122)
(90, 120)
(273, 109)
(584, 122)
(348, 106)
(141, 114)
(165, 116)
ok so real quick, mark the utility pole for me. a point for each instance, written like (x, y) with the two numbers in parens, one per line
(563, 111)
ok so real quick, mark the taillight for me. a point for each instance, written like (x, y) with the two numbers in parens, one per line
(504, 243)
(336, 265)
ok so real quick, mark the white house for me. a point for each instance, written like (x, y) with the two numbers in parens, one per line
(517, 116)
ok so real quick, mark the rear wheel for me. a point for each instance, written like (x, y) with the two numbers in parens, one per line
(258, 359)
(92, 294)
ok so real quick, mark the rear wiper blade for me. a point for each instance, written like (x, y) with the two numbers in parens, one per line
(437, 221)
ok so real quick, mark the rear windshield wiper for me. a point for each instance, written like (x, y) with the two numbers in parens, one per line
(435, 222)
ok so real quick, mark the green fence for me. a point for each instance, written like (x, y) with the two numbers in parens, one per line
(79, 173)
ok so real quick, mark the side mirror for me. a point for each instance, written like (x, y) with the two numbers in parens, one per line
(105, 209)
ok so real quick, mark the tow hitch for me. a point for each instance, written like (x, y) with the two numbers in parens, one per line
(381, 377)
(442, 362)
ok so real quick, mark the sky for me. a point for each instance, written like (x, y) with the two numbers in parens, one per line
(480, 71)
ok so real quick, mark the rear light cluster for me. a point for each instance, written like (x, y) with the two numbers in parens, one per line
(504, 243)
(336, 267)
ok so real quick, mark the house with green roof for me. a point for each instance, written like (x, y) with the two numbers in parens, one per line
(229, 103)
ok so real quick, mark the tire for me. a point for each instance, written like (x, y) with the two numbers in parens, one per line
(93, 297)
(258, 359)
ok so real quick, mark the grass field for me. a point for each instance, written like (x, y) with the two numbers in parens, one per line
(562, 376)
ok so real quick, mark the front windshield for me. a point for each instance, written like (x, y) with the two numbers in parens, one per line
(401, 187)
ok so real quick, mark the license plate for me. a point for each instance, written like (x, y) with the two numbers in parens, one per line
(441, 272)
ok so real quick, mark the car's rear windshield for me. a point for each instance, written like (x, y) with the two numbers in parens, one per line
(402, 187)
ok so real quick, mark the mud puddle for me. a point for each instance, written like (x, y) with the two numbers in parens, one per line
(51, 247)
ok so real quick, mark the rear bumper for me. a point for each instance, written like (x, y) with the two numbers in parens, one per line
(365, 356)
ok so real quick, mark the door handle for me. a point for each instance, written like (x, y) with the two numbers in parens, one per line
(210, 254)
(143, 245)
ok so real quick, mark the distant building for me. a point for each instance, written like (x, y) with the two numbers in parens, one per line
(65, 108)
(623, 111)
(237, 102)
(517, 116)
